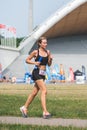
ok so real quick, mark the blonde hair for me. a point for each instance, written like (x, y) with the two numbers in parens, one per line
(40, 40)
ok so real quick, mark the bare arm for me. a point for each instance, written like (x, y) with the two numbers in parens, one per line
(49, 58)
(30, 57)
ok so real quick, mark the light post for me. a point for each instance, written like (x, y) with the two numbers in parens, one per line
(30, 16)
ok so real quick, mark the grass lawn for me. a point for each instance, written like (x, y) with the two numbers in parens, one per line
(30, 127)
(63, 101)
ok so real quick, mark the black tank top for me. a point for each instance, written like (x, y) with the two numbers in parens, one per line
(43, 60)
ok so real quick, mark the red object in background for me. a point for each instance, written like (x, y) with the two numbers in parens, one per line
(12, 29)
(71, 74)
(2, 26)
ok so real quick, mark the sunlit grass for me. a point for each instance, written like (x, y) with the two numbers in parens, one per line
(34, 127)
(63, 100)
(55, 90)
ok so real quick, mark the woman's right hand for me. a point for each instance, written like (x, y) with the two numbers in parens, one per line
(37, 63)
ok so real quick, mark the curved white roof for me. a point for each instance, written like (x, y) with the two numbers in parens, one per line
(70, 20)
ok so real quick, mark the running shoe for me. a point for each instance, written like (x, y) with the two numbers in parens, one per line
(24, 111)
(46, 115)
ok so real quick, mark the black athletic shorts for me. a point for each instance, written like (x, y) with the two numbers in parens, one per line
(36, 75)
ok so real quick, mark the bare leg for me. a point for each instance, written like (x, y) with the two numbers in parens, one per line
(32, 96)
(42, 87)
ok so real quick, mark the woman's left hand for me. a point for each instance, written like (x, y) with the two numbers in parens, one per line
(50, 57)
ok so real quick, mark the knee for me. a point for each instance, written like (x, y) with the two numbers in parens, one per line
(45, 92)
(34, 93)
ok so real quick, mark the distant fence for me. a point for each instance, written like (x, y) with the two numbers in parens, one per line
(7, 36)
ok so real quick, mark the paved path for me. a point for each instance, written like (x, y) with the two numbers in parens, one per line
(41, 121)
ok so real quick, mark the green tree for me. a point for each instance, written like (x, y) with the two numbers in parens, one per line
(18, 40)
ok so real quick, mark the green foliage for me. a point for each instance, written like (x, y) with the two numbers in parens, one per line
(18, 40)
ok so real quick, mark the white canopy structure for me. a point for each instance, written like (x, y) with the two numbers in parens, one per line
(66, 21)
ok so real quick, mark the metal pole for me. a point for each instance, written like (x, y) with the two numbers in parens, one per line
(30, 16)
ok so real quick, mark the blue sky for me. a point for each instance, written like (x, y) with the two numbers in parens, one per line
(15, 13)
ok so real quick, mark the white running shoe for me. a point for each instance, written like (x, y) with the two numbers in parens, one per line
(24, 111)
(46, 115)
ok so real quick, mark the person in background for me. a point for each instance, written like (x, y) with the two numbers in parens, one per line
(42, 57)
